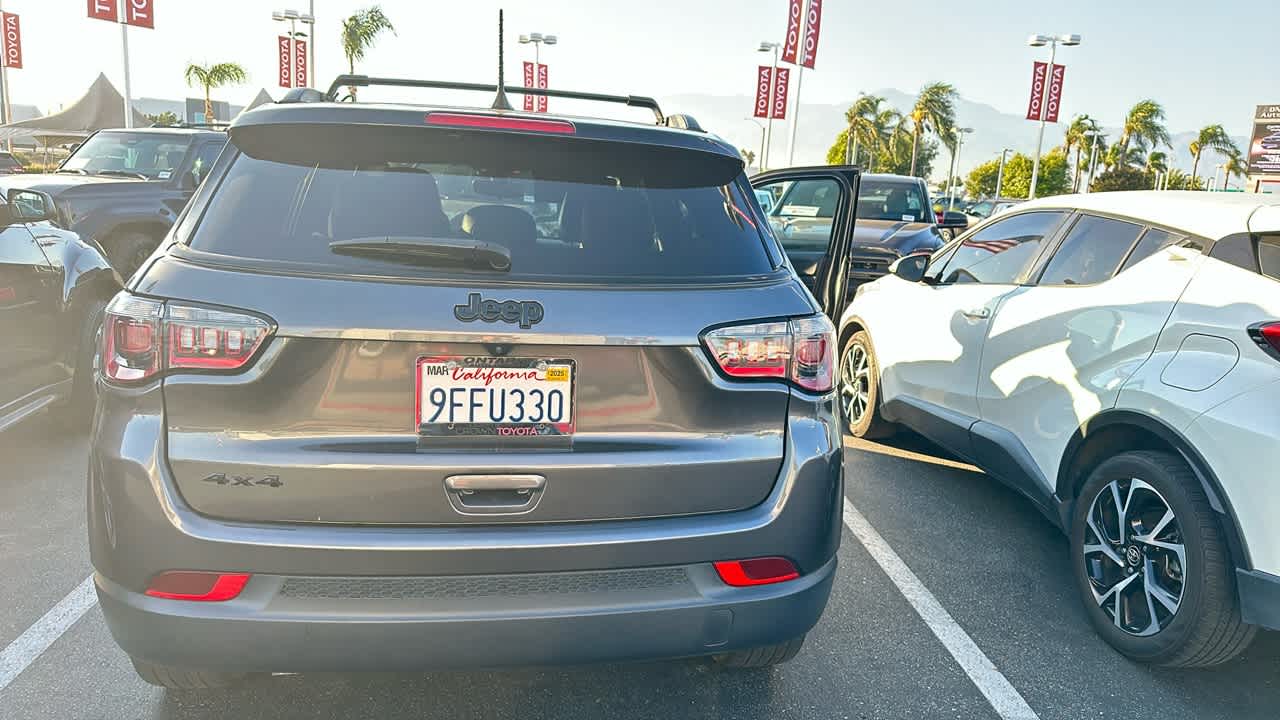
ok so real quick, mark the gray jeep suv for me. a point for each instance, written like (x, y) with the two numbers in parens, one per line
(410, 387)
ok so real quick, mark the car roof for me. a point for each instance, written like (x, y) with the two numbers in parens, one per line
(167, 130)
(1211, 215)
(366, 114)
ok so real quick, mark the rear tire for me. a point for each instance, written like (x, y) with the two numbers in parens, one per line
(178, 679)
(859, 389)
(1166, 548)
(761, 657)
(77, 411)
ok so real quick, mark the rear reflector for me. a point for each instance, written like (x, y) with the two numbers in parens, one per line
(757, 571)
(499, 122)
(801, 350)
(197, 586)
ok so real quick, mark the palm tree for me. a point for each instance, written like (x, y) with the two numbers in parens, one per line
(1144, 122)
(214, 76)
(1077, 139)
(1235, 165)
(934, 110)
(1210, 137)
(1157, 162)
(860, 119)
(359, 33)
(890, 126)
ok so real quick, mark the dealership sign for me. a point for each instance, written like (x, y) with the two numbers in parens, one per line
(104, 10)
(1045, 97)
(1264, 145)
(139, 13)
(12, 44)
(300, 62)
(781, 80)
(800, 44)
(791, 41)
(812, 23)
(1056, 74)
(528, 82)
(285, 53)
(542, 85)
(764, 90)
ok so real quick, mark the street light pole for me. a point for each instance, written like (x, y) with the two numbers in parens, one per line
(955, 167)
(1040, 41)
(1093, 136)
(773, 81)
(1000, 172)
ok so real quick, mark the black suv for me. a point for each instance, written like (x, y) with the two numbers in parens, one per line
(411, 386)
(124, 188)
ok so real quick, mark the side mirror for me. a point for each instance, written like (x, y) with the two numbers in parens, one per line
(911, 267)
(28, 206)
(953, 220)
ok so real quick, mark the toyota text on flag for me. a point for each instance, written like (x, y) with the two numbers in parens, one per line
(780, 94)
(528, 82)
(138, 12)
(104, 10)
(812, 23)
(1037, 91)
(1055, 93)
(12, 41)
(300, 62)
(764, 84)
(791, 41)
(286, 61)
(542, 85)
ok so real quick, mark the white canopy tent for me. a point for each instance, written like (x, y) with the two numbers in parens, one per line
(101, 107)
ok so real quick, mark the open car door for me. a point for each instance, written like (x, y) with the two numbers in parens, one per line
(812, 214)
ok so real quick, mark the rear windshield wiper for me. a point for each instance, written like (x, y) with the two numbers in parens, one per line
(427, 250)
(123, 173)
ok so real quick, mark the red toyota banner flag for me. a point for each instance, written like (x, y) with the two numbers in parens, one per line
(300, 62)
(12, 41)
(1055, 93)
(812, 23)
(542, 85)
(286, 61)
(1037, 91)
(104, 10)
(528, 82)
(139, 13)
(791, 41)
(764, 86)
(780, 93)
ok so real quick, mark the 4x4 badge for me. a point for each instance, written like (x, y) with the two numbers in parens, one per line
(526, 312)
(272, 481)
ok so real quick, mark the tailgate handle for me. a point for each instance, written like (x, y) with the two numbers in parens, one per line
(494, 494)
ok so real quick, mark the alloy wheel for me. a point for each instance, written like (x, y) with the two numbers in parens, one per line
(1134, 556)
(855, 384)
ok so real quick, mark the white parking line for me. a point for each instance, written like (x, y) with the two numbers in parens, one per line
(36, 639)
(994, 686)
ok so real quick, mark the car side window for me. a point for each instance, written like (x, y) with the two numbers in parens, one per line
(205, 158)
(1153, 241)
(1092, 251)
(1000, 252)
(803, 212)
(1269, 256)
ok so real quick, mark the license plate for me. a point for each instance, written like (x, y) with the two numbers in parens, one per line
(494, 396)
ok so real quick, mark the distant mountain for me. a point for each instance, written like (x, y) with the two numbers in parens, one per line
(820, 123)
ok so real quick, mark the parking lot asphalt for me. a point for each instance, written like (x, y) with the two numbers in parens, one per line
(986, 556)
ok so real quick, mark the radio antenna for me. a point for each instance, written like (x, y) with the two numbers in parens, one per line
(500, 102)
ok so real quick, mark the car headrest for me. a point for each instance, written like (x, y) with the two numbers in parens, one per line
(378, 203)
(501, 224)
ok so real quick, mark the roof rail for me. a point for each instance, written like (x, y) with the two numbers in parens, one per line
(365, 81)
(683, 122)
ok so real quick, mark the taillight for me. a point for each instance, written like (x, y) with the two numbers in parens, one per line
(197, 586)
(142, 337)
(1267, 335)
(801, 350)
(501, 122)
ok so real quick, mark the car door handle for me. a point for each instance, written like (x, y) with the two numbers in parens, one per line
(468, 484)
(494, 494)
(981, 313)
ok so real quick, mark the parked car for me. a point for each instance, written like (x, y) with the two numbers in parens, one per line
(124, 188)
(53, 287)
(811, 210)
(10, 165)
(984, 209)
(1114, 357)
(336, 434)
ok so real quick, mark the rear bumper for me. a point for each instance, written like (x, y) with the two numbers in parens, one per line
(1259, 598)
(264, 631)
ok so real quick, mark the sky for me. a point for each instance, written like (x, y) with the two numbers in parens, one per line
(1203, 69)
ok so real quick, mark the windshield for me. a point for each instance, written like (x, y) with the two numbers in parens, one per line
(152, 156)
(606, 214)
(889, 200)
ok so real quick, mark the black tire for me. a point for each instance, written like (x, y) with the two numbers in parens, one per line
(1205, 626)
(178, 679)
(869, 424)
(128, 250)
(761, 657)
(76, 411)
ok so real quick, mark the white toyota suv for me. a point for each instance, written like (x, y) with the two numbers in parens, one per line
(1115, 357)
